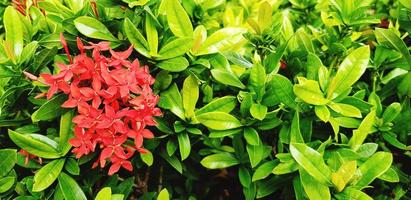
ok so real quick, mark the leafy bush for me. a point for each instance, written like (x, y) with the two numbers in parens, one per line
(222, 99)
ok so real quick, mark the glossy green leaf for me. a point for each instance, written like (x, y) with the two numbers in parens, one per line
(8, 160)
(147, 158)
(163, 195)
(363, 130)
(279, 89)
(14, 30)
(6, 183)
(313, 188)
(70, 188)
(352, 193)
(221, 40)
(258, 111)
(178, 20)
(286, 167)
(184, 145)
(349, 71)
(152, 35)
(219, 161)
(346, 110)
(72, 166)
(177, 64)
(65, 132)
(309, 91)
(190, 94)
(47, 175)
(251, 136)
(227, 77)
(322, 112)
(312, 162)
(93, 28)
(175, 48)
(222, 104)
(391, 112)
(172, 100)
(136, 38)
(374, 167)
(104, 194)
(35, 145)
(218, 120)
(50, 110)
(344, 174)
(255, 154)
(295, 131)
(264, 170)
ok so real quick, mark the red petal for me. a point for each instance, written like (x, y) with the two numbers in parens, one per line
(114, 168)
(127, 165)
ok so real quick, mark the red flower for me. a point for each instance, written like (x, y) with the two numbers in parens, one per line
(114, 100)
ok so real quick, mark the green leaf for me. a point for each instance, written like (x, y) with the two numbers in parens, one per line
(190, 95)
(163, 195)
(66, 132)
(177, 64)
(285, 167)
(313, 188)
(147, 158)
(221, 40)
(72, 166)
(50, 110)
(264, 170)
(93, 28)
(255, 154)
(390, 176)
(227, 77)
(71, 190)
(244, 177)
(14, 30)
(178, 20)
(374, 167)
(257, 80)
(138, 41)
(251, 136)
(104, 194)
(184, 145)
(351, 193)
(388, 38)
(8, 160)
(361, 133)
(349, 71)
(28, 51)
(47, 175)
(344, 174)
(218, 120)
(313, 65)
(309, 91)
(6, 183)
(322, 112)
(258, 111)
(391, 112)
(174, 162)
(279, 89)
(32, 143)
(223, 104)
(175, 48)
(312, 162)
(219, 161)
(346, 110)
(171, 99)
(295, 132)
(152, 35)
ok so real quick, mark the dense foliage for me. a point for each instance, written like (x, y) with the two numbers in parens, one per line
(205, 99)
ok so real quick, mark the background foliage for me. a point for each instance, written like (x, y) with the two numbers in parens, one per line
(260, 99)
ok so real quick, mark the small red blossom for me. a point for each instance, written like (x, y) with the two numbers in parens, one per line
(29, 156)
(114, 101)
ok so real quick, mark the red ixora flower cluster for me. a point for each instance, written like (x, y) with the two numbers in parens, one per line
(114, 100)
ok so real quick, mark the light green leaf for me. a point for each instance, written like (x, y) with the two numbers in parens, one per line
(295, 132)
(251, 136)
(374, 167)
(175, 48)
(264, 170)
(363, 130)
(258, 111)
(257, 80)
(309, 91)
(219, 161)
(349, 71)
(351, 193)
(218, 120)
(227, 77)
(6, 183)
(313, 188)
(388, 38)
(104, 194)
(171, 99)
(190, 95)
(177, 64)
(66, 132)
(322, 112)
(152, 35)
(178, 20)
(255, 154)
(223, 104)
(221, 40)
(147, 158)
(286, 167)
(163, 195)
(346, 110)
(184, 145)
(93, 28)
(14, 30)
(47, 175)
(312, 162)
(344, 174)
(390, 176)
(279, 89)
